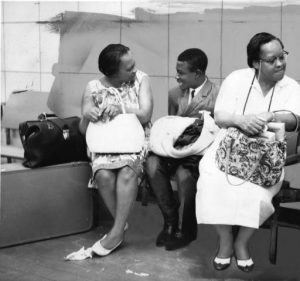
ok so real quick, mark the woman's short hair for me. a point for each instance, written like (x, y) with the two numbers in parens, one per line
(196, 58)
(255, 43)
(110, 58)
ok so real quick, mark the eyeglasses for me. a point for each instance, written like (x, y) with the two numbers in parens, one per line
(272, 60)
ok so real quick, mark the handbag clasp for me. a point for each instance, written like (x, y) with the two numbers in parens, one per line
(66, 134)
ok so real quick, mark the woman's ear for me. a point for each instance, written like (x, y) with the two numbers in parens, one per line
(256, 64)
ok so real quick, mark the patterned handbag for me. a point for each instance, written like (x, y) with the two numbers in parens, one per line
(253, 159)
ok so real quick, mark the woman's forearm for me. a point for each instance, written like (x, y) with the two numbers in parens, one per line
(144, 112)
(143, 115)
(224, 119)
(83, 125)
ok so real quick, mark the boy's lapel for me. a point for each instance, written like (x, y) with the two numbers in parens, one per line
(198, 99)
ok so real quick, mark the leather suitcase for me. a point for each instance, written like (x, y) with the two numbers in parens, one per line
(45, 202)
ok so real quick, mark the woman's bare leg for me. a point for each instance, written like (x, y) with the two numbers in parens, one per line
(225, 240)
(126, 192)
(241, 242)
(106, 183)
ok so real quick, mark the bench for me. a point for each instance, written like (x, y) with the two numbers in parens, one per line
(12, 152)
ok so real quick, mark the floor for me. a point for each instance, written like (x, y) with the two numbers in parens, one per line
(139, 259)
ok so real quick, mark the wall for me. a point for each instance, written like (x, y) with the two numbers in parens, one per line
(58, 54)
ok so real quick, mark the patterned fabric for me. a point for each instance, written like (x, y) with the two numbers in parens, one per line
(116, 161)
(252, 159)
(105, 96)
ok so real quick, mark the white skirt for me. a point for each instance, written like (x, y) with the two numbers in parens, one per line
(218, 202)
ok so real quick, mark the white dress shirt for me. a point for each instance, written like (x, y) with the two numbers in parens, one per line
(197, 90)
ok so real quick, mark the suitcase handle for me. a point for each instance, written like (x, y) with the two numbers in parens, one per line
(44, 116)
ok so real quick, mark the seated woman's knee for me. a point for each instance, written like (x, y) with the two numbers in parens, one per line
(126, 174)
(104, 177)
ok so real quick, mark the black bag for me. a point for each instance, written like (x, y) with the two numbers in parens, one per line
(51, 140)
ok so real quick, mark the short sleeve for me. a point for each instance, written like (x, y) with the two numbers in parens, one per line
(227, 97)
(91, 87)
(140, 75)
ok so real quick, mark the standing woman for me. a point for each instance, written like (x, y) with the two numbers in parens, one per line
(116, 175)
(247, 100)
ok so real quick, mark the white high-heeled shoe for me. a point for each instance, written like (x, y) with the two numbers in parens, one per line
(99, 250)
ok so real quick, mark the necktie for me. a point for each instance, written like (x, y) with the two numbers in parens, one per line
(193, 93)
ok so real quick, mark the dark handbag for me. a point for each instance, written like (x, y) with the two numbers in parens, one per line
(253, 159)
(51, 140)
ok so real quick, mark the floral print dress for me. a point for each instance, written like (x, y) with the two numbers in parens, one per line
(102, 95)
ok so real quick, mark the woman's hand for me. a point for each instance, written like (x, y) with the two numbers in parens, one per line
(252, 124)
(93, 113)
(267, 116)
(111, 111)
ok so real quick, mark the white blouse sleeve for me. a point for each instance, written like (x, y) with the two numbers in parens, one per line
(91, 87)
(227, 98)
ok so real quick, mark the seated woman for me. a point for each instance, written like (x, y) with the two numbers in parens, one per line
(116, 175)
(247, 100)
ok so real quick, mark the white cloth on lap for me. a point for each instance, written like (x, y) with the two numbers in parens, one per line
(218, 202)
(166, 130)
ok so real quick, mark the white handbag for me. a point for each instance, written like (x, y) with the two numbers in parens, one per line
(122, 134)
